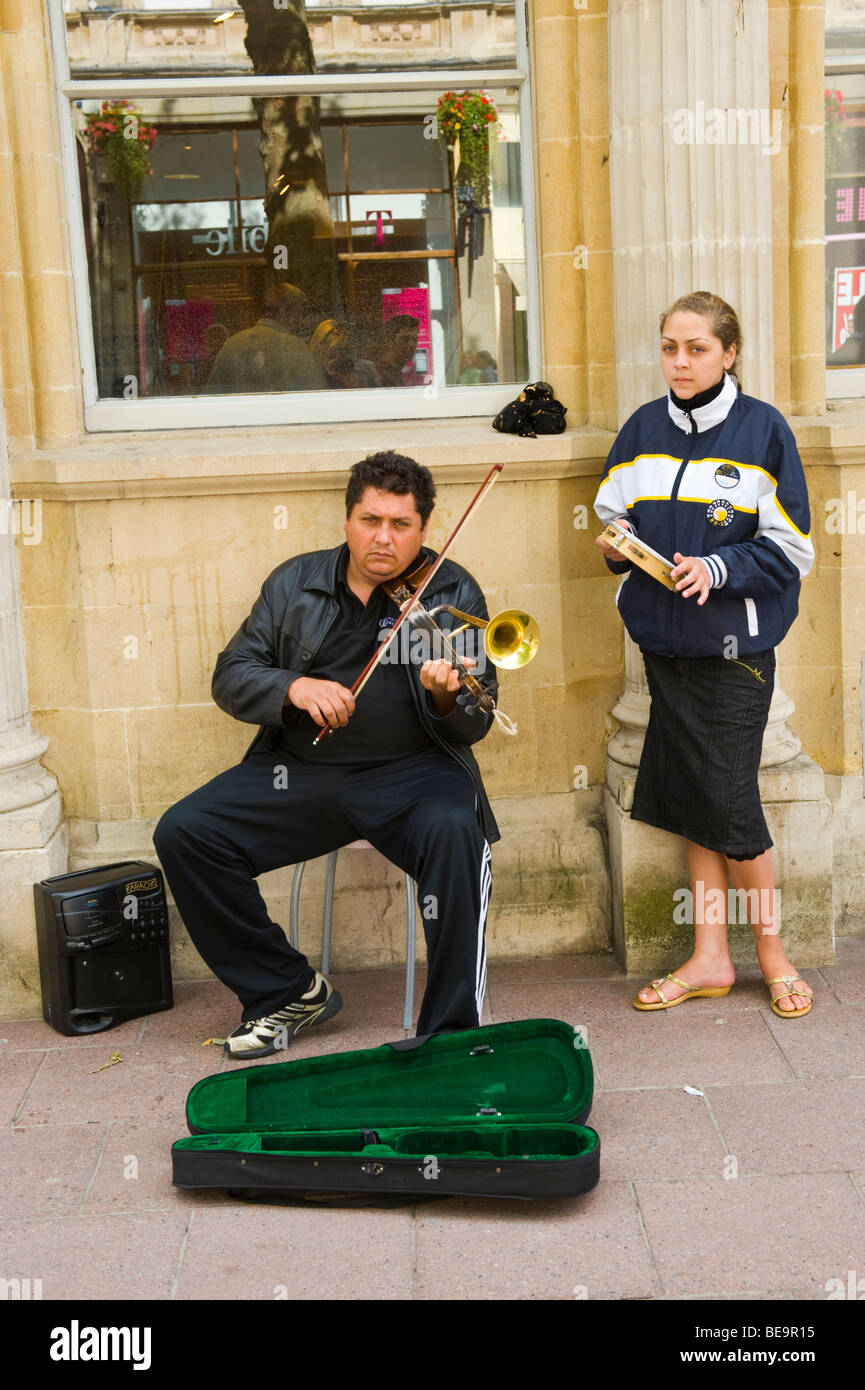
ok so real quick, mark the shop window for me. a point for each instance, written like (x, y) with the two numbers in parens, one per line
(845, 201)
(314, 245)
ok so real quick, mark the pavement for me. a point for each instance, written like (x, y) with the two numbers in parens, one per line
(732, 1157)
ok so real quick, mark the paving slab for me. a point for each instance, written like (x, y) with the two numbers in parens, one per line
(17, 1035)
(134, 1170)
(751, 992)
(589, 1247)
(791, 1232)
(74, 1216)
(655, 1134)
(17, 1070)
(377, 996)
(202, 1009)
(554, 969)
(574, 1001)
(846, 978)
(815, 1126)
(46, 1169)
(850, 948)
(96, 1257)
(334, 1036)
(288, 1253)
(652, 1050)
(845, 987)
(153, 1078)
(826, 1042)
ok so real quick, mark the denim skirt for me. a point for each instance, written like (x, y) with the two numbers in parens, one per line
(698, 772)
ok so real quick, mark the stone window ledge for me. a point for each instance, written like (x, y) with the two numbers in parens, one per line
(293, 458)
(830, 435)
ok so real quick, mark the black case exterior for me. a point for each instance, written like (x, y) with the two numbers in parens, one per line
(283, 1174)
(544, 1150)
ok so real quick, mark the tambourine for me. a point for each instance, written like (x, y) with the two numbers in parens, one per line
(630, 547)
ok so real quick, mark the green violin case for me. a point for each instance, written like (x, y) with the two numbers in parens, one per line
(493, 1111)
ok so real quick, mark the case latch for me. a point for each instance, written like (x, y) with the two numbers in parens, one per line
(489, 1110)
(483, 1047)
(372, 1170)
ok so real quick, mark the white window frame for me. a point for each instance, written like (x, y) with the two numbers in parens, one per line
(295, 407)
(844, 383)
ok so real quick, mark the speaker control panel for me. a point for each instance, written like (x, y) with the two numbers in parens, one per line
(132, 913)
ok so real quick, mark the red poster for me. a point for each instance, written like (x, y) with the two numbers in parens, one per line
(414, 302)
(849, 287)
(186, 321)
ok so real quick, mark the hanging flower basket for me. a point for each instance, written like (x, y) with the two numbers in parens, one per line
(117, 137)
(467, 118)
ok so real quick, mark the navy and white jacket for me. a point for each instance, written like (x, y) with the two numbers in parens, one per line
(724, 482)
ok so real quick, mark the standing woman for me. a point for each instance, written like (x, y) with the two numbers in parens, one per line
(712, 478)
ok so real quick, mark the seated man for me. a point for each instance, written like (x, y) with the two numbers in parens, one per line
(397, 770)
(271, 355)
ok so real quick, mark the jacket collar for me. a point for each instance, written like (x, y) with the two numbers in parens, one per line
(326, 574)
(705, 417)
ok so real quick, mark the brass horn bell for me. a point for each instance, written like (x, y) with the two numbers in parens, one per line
(511, 638)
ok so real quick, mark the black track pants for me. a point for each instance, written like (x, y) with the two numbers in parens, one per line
(270, 810)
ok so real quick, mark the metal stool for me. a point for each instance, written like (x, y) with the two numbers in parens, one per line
(410, 893)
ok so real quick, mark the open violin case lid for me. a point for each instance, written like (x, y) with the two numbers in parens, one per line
(493, 1111)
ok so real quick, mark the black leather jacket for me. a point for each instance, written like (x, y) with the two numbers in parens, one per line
(279, 640)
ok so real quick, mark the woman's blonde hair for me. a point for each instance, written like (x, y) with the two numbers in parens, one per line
(724, 321)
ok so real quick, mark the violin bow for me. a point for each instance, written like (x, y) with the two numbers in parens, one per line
(414, 603)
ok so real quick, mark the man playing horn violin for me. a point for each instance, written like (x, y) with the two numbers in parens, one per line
(397, 768)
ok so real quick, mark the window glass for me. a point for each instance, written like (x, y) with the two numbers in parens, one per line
(348, 249)
(845, 220)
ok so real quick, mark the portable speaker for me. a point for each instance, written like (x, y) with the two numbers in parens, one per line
(103, 946)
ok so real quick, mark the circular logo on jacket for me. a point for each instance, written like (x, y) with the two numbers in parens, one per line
(727, 475)
(719, 512)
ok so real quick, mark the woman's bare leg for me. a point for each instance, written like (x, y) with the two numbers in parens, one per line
(710, 963)
(756, 877)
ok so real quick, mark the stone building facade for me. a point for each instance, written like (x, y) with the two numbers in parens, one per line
(163, 535)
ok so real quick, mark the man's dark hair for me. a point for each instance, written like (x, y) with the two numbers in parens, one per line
(390, 472)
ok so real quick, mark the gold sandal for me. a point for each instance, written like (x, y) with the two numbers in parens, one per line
(788, 980)
(709, 992)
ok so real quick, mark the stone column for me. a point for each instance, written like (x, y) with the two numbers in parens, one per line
(690, 205)
(40, 356)
(33, 842)
(32, 835)
(691, 139)
(807, 227)
(553, 48)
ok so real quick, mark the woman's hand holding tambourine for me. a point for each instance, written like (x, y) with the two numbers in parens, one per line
(692, 577)
(608, 551)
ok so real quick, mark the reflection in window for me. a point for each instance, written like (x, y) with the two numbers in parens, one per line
(167, 37)
(845, 220)
(376, 271)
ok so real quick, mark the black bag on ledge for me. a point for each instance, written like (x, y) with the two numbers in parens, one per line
(535, 411)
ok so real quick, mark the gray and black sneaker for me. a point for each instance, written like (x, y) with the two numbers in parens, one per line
(263, 1036)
